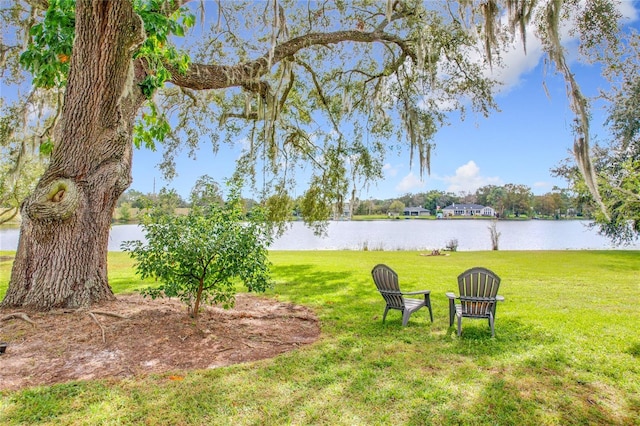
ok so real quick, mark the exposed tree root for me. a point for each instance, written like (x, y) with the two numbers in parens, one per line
(93, 317)
(93, 314)
(18, 315)
(109, 314)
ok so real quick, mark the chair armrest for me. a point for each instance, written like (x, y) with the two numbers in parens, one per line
(451, 295)
(417, 292)
(499, 298)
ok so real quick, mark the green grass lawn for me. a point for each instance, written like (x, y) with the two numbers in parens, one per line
(566, 351)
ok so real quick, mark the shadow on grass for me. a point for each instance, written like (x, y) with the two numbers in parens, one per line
(512, 337)
(126, 285)
(498, 403)
(352, 305)
(344, 301)
(308, 284)
(634, 350)
(578, 397)
(620, 261)
(310, 278)
(544, 395)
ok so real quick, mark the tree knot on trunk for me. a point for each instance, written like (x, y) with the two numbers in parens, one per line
(56, 201)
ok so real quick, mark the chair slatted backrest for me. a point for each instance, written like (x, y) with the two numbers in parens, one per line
(478, 290)
(387, 283)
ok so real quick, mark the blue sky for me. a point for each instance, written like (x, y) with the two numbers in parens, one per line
(520, 144)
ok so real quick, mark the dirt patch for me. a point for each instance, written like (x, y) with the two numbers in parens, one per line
(155, 337)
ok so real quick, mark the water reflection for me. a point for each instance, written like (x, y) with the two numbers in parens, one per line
(471, 235)
(403, 234)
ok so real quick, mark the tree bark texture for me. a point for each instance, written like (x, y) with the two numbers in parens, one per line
(61, 260)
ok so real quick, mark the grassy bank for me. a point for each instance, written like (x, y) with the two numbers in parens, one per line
(567, 351)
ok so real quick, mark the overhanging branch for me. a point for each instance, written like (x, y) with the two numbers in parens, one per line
(203, 77)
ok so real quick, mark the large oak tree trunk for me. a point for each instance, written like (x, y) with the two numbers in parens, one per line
(61, 260)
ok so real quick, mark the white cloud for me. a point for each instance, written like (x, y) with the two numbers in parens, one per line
(628, 11)
(409, 183)
(245, 144)
(389, 170)
(468, 179)
(517, 63)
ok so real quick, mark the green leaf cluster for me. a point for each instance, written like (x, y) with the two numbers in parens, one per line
(199, 257)
(46, 147)
(49, 50)
(153, 127)
(156, 49)
(48, 54)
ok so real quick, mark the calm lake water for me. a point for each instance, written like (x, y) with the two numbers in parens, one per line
(472, 235)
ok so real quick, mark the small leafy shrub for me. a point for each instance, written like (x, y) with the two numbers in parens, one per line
(199, 257)
(366, 247)
(452, 245)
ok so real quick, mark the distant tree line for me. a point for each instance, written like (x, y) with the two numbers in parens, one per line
(508, 200)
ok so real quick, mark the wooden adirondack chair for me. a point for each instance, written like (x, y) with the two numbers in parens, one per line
(387, 283)
(478, 297)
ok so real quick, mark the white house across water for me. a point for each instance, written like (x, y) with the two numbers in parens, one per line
(468, 210)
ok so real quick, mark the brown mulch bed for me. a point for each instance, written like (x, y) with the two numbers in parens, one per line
(146, 336)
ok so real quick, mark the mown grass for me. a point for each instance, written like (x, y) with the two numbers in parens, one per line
(566, 351)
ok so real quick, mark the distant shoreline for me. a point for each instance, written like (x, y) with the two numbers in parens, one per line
(14, 224)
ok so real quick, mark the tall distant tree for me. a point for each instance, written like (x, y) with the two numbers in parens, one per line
(396, 207)
(288, 81)
(413, 200)
(447, 199)
(431, 200)
(548, 204)
(485, 195)
(131, 197)
(517, 198)
(494, 196)
(205, 192)
(167, 201)
(467, 197)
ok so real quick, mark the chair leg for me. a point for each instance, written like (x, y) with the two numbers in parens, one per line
(427, 301)
(384, 316)
(491, 324)
(405, 317)
(452, 311)
(459, 325)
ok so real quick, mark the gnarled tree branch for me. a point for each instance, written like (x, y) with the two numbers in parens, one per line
(203, 77)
